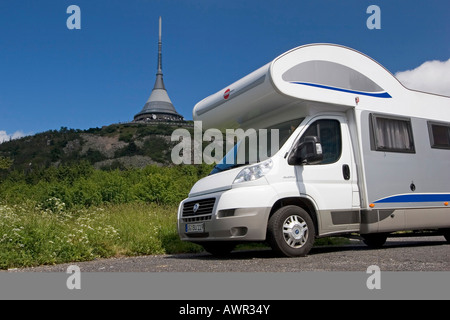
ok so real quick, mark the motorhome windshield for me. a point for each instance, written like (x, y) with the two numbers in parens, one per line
(253, 146)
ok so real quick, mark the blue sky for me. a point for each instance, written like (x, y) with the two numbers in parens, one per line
(52, 77)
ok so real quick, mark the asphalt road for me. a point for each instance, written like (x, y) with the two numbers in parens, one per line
(399, 254)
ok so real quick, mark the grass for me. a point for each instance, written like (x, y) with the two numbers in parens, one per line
(31, 235)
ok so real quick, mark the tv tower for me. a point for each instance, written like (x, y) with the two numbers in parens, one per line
(158, 107)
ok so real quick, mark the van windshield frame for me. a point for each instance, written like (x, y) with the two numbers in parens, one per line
(257, 145)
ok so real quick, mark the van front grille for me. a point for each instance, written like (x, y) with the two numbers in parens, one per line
(200, 208)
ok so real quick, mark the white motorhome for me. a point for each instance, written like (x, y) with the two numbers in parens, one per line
(358, 153)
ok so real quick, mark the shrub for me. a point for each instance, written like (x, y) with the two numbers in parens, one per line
(80, 185)
(5, 163)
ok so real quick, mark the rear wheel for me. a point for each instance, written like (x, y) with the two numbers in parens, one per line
(291, 231)
(375, 240)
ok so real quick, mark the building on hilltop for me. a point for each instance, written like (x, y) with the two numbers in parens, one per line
(159, 107)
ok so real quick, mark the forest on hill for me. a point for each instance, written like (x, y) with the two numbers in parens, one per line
(117, 146)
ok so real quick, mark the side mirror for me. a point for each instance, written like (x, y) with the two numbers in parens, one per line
(307, 152)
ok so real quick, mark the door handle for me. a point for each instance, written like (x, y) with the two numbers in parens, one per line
(346, 171)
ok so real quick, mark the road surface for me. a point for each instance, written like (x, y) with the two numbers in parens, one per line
(399, 254)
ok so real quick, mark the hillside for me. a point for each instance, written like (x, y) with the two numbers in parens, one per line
(131, 145)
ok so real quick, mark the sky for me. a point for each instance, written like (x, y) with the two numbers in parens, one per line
(103, 73)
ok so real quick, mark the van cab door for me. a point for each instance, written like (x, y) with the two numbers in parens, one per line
(330, 179)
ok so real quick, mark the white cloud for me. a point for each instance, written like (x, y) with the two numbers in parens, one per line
(6, 137)
(431, 76)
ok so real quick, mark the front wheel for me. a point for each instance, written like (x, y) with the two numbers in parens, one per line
(291, 231)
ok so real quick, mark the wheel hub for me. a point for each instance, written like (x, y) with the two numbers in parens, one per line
(295, 231)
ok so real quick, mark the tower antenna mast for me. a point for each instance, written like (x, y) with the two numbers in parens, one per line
(159, 107)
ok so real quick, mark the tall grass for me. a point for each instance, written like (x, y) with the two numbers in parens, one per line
(32, 235)
(75, 213)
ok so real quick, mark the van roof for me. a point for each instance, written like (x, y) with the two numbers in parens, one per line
(312, 78)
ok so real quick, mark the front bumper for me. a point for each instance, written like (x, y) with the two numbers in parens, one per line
(233, 215)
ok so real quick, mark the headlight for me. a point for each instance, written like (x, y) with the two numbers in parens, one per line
(254, 172)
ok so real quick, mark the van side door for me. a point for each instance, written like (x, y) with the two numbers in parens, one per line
(330, 180)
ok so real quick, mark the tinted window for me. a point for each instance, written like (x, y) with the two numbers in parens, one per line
(329, 134)
(330, 74)
(439, 135)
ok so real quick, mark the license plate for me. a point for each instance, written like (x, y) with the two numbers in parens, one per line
(195, 228)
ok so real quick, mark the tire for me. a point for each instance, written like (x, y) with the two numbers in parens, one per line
(375, 240)
(291, 232)
(219, 249)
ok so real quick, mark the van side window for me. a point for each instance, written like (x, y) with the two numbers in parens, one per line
(392, 134)
(439, 135)
(329, 134)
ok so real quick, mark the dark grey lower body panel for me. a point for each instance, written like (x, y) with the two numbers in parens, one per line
(383, 220)
(390, 220)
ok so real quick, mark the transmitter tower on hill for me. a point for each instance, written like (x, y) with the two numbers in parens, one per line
(158, 107)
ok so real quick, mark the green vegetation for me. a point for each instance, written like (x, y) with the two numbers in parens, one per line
(5, 163)
(31, 235)
(67, 195)
(76, 213)
(95, 145)
(82, 186)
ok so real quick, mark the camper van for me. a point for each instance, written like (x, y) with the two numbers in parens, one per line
(358, 153)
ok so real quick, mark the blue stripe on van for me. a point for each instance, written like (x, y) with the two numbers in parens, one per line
(427, 197)
(376, 95)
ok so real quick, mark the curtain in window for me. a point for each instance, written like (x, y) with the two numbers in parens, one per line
(393, 134)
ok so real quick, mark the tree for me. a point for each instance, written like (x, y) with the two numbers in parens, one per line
(5, 163)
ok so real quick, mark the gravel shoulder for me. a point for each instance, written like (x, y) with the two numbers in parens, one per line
(399, 254)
